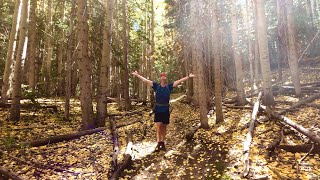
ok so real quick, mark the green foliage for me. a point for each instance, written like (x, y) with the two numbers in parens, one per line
(31, 95)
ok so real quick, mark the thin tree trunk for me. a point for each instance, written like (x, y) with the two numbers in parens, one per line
(292, 54)
(10, 52)
(250, 55)
(125, 72)
(69, 63)
(32, 48)
(282, 36)
(49, 48)
(105, 66)
(153, 53)
(217, 64)
(264, 53)
(16, 94)
(236, 55)
(61, 52)
(85, 67)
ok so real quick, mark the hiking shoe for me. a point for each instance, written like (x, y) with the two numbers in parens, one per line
(158, 147)
(162, 146)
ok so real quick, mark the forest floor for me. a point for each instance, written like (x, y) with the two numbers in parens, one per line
(216, 153)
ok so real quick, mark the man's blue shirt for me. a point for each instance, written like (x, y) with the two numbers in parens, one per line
(162, 96)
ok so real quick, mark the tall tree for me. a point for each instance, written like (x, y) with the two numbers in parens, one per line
(32, 46)
(268, 98)
(292, 52)
(217, 63)
(152, 52)
(85, 66)
(282, 35)
(236, 54)
(69, 62)
(198, 58)
(10, 52)
(47, 61)
(16, 93)
(105, 65)
(61, 52)
(125, 71)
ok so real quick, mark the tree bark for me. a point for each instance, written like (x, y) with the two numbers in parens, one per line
(198, 59)
(236, 55)
(85, 67)
(305, 148)
(247, 143)
(104, 77)
(32, 48)
(127, 157)
(268, 98)
(16, 94)
(125, 71)
(46, 65)
(68, 86)
(9, 174)
(217, 64)
(10, 52)
(292, 52)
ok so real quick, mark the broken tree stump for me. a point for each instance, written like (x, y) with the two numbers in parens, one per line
(127, 158)
(190, 134)
(5, 173)
(247, 143)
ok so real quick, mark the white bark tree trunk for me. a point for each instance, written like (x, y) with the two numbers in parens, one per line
(237, 55)
(16, 93)
(292, 52)
(264, 53)
(10, 53)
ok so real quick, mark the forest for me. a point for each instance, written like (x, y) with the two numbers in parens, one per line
(77, 98)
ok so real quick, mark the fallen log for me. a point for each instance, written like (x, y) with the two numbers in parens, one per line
(300, 103)
(305, 148)
(247, 143)
(234, 99)
(5, 173)
(313, 105)
(31, 106)
(38, 165)
(127, 123)
(59, 138)
(190, 134)
(295, 126)
(114, 160)
(271, 147)
(127, 113)
(127, 158)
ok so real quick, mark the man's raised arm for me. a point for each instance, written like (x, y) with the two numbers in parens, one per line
(135, 73)
(177, 82)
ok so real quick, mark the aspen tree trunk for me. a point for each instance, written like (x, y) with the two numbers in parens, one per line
(85, 66)
(268, 99)
(237, 56)
(282, 35)
(250, 55)
(105, 66)
(256, 46)
(144, 55)
(153, 53)
(198, 59)
(69, 62)
(217, 64)
(32, 46)
(125, 72)
(292, 55)
(61, 52)
(16, 93)
(49, 49)
(10, 53)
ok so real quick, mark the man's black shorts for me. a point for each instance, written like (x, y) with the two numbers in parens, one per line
(162, 117)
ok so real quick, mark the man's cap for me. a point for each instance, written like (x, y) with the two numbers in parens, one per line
(163, 74)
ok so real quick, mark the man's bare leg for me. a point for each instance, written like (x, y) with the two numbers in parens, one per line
(158, 129)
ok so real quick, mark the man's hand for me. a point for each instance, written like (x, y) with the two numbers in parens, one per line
(191, 75)
(135, 73)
